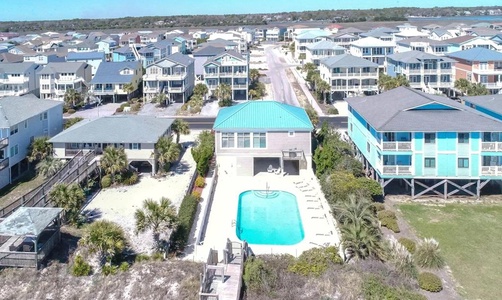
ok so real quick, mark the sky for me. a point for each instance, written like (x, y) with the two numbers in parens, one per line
(30, 10)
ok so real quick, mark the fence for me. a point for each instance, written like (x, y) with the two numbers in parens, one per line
(207, 208)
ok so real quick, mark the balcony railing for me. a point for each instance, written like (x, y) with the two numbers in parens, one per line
(493, 84)
(397, 170)
(491, 170)
(175, 89)
(4, 163)
(4, 143)
(358, 74)
(491, 146)
(372, 87)
(396, 146)
(239, 86)
(211, 74)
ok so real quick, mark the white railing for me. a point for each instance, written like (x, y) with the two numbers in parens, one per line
(175, 89)
(396, 146)
(15, 80)
(491, 146)
(397, 170)
(493, 84)
(487, 71)
(491, 170)
(354, 87)
(358, 74)
(239, 86)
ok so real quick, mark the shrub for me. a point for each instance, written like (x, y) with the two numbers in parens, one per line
(391, 224)
(186, 216)
(375, 289)
(225, 102)
(430, 282)
(136, 107)
(124, 266)
(80, 267)
(141, 257)
(119, 109)
(200, 181)
(332, 111)
(109, 270)
(196, 194)
(427, 254)
(71, 111)
(408, 244)
(106, 181)
(258, 276)
(401, 259)
(130, 178)
(157, 256)
(378, 206)
(383, 214)
(316, 261)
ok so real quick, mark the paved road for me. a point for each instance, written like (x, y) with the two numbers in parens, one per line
(206, 123)
(281, 87)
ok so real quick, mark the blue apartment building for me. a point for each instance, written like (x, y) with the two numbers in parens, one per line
(428, 143)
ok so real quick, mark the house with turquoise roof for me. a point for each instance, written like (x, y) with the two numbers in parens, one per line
(430, 144)
(263, 136)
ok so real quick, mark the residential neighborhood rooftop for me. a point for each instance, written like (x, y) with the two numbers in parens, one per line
(491, 102)
(15, 109)
(477, 54)
(347, 61)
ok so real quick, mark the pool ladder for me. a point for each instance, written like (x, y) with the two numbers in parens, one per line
(234, 224)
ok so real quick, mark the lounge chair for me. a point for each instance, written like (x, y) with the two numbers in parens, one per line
(270, 169)
(278, 171)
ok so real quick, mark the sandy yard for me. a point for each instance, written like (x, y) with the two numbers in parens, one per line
(119, 204)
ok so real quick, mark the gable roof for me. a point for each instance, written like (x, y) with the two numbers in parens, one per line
(399, 110)
(62, 67)
(28, 221)
(16, 109)
(126, 129)
(181, 59)
(490, 102)
(18, 68)
(85, 55)
(460, 39)
(214, 59)
(109, 72)
(372, 42)
(209, 50)
(8, 57)
(262, 115)
(346, 61)
(312, 34)
(418, 39)
(477, 54)
(415, 56)
(325, 44)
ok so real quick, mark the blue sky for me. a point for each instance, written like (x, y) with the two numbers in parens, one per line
(22, 10)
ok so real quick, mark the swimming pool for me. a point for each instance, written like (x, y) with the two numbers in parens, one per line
(269, 218)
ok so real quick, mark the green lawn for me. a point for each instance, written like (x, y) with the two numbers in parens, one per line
(470, 238)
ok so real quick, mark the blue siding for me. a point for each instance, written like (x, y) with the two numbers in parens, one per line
(474, 165)
(419, 164)
(446, 165)
(475, 141)
(434, 106)
(488, 112)
(419, 141)
(391, 69)
(447, 141)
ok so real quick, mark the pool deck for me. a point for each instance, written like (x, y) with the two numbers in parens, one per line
(318, 223)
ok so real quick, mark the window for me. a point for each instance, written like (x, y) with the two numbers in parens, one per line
(134, 146)
(463, 163)
(430, 162)
(26, 124)
(14, 150)
(45, 115)
(243, 140)
(14, 129)
(368, 147)
(430, 138)
(259, 140)
(463, 138)
(227, 140)
(291, 133)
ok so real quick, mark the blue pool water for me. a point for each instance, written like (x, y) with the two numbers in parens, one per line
(269, 218)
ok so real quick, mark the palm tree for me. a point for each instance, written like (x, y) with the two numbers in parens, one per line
(180, 127)
(309, 67)
(201, 89)
(357, 210)
(254, 75)
(39, 149)
(462, 85)
(478, 89)
(155, 216)
(49, 166)
(196, 101)
(387, 82)
(361, 241)
(105, 238)
(323, 87)
(70, 198)
(224, 93)
(128, 88)
(167, 152)
(71, 97)
(114, 161)
(161, 99)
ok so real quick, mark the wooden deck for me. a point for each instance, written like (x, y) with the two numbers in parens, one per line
(230, 288)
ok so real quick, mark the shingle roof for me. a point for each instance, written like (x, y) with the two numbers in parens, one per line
(109, 72)
(9, 68)
(215, 58)
(460, 39)
(477, 54)
(491, 102)
(85, 55)
(123, 50)
(394, 111)
(372, 42)
(10, 58)
(417, 56)
(346, 60)
(262, 115)
(325, 44)
(28, 221)
(209, 51)
(181, 59)
(62, 67)
(418, 39)
(125, 129)
(16, 109)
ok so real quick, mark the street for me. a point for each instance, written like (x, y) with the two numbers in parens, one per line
(281, 87)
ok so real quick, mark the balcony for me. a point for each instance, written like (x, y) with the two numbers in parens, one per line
(491, 170)
(15, 80)
(397, 170)
(491, 146)
(179, 76)
(178, 89)
(226, 74)
(493, 84)
(4, 163)
(493, 71)
(241, 74)
(239, 86)
(396, 146)
(4, 143)
(211, 75)
(359, 74)
(372, 87)
(431, 71)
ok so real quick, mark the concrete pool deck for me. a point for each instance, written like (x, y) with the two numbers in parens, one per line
(318, 223)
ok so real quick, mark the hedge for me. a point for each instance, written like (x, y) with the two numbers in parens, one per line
(186, 217)
(390, 223)
(386, 214)
(430, 282)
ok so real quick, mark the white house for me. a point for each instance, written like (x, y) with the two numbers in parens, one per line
(18, 79)
(56, 78)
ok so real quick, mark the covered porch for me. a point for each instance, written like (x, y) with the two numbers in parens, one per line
(28, 236)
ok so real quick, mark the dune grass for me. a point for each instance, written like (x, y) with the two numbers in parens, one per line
(469, 237)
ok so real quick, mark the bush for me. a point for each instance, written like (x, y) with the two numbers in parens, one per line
(157, 256)
(427, 254)
(141, 257)
(430, 282)
(316, 261)
(375, 289)
(401, 259)
(197, 195)
(408, 244)
(130, 178)
(119, 109)
(186, 216)
(106, 181)
(383, 214)
(136, 107)
(332, 111)
(225, 102)
(258, 276)
(124, 266)
(80, 267)
(390, 223)
(378, 206)
(71, 111)
(200, 181)
(109, 270)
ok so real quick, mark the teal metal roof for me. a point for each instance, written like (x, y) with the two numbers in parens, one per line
(262, 115)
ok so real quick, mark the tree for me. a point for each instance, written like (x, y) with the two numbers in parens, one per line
(167, 152)
(39, 149)
(179, 127)
(72, 97)
(105, 238)
(358, 209)
(309, 67)
(201, 89)
(72, 121)
(313, 116)
(254, 75)
(462, 85)
(361, 241)
(128, 88)
(469, 88)
(49, 166)
(155, 216)
(292, 48)
(224, 94)
(161, 99)
(68, 197)
(203, 151)
(114, 161)
(257, 90)
(387, 82)
(322, 88)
